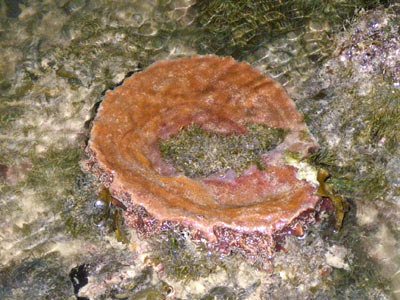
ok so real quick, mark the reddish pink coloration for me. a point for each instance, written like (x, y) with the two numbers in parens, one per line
(220, 95)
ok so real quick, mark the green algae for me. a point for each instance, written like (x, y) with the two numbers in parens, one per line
(286, 37)
(221, 293)
(383, 120)
(362, 280)
(149, 294)
(360, 111)
(55, 166)
(181, 259)
(9, 113)
(51, 169)
(239, 28)
(30, 279)
(199, 153)
(88, 214)
(360, 170)
(363, 172)
(229, 293)
(141, 287)
(76, 201)
(355, 118)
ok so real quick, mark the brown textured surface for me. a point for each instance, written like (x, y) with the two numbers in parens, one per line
(218, 94)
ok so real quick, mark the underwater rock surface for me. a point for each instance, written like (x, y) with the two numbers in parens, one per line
(355, 115)
(338, 61)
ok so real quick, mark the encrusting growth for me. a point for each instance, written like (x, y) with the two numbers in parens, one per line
(137, 149)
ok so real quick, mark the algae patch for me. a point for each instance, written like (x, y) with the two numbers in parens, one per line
(199, 153)
(181, 258)
(240, 27)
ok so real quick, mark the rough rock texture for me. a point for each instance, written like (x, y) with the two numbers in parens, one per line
(353, 106)
(51, 218)
(219, 95)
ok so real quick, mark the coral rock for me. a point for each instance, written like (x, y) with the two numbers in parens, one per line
(219, 95)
